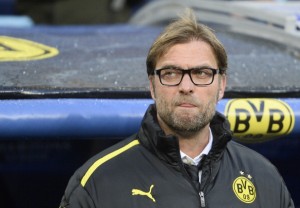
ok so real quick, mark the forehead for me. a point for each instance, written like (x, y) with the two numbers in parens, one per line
(193, 53)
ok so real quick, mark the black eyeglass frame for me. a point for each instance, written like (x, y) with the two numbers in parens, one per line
(188, 71)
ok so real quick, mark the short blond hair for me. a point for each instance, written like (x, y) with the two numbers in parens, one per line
(184, 30)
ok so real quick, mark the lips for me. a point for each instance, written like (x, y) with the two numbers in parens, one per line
(187, 105)
(186, 102)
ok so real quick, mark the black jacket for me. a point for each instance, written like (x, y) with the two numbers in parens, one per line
(146, 171)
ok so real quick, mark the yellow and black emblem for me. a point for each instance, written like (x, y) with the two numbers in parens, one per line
(244, 189)
(16, 49)
(258, 120)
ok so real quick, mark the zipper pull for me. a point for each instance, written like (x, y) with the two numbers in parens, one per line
(202, 199)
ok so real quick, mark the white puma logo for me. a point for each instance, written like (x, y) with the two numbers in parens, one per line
(142, 193)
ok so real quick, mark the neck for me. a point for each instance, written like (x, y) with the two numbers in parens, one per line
(193, 146)
(191, 143)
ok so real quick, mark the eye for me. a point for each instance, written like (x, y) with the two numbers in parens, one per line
(202, 73)
(170, 73)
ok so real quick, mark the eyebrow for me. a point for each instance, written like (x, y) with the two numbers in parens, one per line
(170, 66)
(178, 67)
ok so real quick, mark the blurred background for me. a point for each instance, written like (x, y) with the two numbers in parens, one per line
(59, 12)
(58, 111)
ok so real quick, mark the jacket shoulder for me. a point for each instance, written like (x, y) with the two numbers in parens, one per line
(249, 159)
(90, 168)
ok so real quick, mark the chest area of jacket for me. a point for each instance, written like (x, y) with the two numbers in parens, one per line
(143, 180)
(140, 179)
(242, 184)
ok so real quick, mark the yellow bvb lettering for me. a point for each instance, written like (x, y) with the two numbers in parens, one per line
(257, 119)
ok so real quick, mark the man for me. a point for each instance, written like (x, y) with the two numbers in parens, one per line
(182, 155)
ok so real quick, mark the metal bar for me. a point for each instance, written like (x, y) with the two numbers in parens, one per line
(112, 118)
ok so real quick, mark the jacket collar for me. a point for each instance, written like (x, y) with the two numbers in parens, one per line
(167, 147)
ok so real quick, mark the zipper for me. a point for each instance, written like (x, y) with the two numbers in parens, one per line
(203, 187)
(201, 194)
(202, 198)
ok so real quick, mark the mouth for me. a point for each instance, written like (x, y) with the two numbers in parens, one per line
(186, 105)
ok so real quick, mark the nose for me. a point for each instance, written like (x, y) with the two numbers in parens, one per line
(186, 85)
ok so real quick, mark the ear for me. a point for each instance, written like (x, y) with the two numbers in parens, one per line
(151, 85)
(222, 86)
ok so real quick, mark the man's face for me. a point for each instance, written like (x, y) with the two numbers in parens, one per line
(186, 109)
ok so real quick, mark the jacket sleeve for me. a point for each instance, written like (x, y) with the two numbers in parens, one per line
(78, 198)
(286, 199)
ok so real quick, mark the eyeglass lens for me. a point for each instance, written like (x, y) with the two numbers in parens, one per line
(201, 76)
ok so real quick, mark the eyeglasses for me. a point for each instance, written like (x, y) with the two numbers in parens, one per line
(172, 76)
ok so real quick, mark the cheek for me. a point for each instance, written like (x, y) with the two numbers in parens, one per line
(163, 95)
(209, 95)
